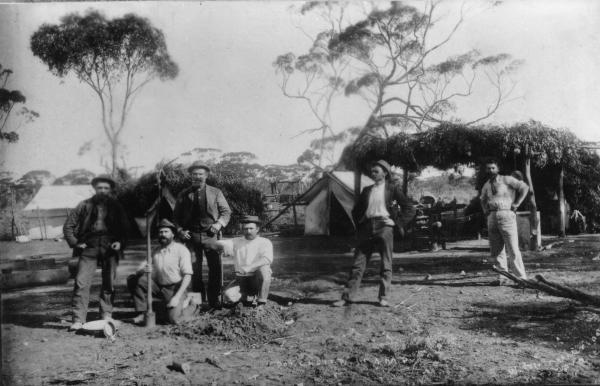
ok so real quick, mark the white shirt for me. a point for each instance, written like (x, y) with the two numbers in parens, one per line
(248, 255)
(377, 207)
(506, 188)
(170, 263)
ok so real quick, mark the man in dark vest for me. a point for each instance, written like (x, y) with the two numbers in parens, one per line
(201, 211)
(97, 232)
(380, 207)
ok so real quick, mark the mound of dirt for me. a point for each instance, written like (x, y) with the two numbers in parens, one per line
(239, 325)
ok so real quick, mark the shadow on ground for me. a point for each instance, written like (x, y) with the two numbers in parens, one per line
(552, 323)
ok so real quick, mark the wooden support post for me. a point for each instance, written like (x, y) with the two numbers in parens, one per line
(405, 181)
(149, 317)
(357, 186)
(535, 240)
(39, 216)
(561, 203)
(295, 217)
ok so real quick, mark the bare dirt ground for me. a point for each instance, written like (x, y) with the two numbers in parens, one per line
(453, 328)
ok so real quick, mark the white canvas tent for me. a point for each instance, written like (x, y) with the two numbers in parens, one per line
(330, 202)
(50, 207)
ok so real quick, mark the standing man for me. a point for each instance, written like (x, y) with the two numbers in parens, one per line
(252, 259)
(380, 207)
(171, 275)
(500, 198)
(201, 211)
(97, 231)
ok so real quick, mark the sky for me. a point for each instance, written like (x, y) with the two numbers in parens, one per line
(227, 94)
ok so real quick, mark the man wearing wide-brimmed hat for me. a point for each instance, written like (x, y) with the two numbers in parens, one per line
(252, 259)
(171, 275)
(380, 207)
(97, 231)
(201, 211)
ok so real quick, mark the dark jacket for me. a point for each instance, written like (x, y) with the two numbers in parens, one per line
(217, 207)
(398, 205)
(79, 222)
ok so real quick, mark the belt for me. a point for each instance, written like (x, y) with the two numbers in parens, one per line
(381, 218)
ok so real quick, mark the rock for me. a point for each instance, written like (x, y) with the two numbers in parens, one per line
(463, 273)
(182, 367)
(428, 277)
(597, 258)
(44, 340)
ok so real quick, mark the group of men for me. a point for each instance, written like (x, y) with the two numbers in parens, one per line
(96, 230)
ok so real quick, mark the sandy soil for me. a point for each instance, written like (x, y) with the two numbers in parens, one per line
(453, 328)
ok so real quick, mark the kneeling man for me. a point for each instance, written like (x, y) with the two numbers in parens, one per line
(171, 275)
(252, 258)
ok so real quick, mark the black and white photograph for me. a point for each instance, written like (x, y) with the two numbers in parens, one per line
(300, 192)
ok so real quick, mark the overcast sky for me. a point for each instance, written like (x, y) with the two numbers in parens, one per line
(227, 96)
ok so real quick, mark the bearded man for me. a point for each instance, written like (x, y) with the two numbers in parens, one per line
(97, 232)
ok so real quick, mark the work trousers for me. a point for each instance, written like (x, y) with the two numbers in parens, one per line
(373, 236)
(504, 239)
(204, 244)
(257, 284)
(97, 252)
(138, 287)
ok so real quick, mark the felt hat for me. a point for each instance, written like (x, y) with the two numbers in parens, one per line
(198, 165)
(384, 165)
(104, 178)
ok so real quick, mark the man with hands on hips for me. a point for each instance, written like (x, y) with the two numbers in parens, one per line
(500, 198)
(201, 211)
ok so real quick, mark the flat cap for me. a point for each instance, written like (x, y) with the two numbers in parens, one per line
(164, 223)
(246, 219)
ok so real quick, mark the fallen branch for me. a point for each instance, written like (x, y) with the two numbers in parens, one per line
(551, 288)
(576, 294)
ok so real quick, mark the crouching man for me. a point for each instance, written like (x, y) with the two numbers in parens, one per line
(171, 275)
(252, 258)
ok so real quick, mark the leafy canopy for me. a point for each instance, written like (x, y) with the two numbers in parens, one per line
(91, 44)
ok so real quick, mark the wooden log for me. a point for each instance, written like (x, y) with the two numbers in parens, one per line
(574, 293)
(553, 289)
(25, 279)
(529, 283)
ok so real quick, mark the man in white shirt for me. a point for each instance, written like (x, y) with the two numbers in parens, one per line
(500, 198)
(171, 275)
(380, 207)
(252, 258)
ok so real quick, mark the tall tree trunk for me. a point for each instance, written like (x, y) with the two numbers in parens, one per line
(113, 156)
(561, 203)
(534, 219)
